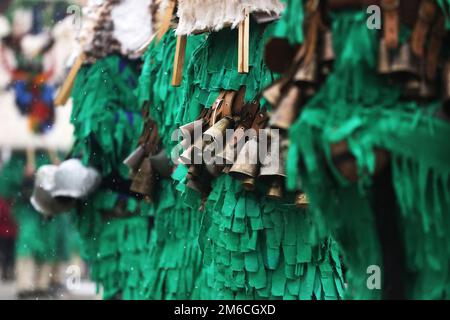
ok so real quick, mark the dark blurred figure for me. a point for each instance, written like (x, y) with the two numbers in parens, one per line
(8, 232)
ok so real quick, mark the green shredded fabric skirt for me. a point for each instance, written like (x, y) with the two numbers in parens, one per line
(173, 268)
(256, 248)
(358, 106)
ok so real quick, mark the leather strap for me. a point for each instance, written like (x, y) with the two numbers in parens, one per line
(427, 14)
(260, 120)
(391, 22)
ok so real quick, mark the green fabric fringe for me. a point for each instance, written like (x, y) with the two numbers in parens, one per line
(255, 248)
(107, 120)
(362, 108)
(173, 268)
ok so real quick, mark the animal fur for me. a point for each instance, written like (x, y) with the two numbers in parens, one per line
(214, 15)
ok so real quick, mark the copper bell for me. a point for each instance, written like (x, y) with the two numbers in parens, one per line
(212, 165)
(404, 64)
(306, 76)
(133, 161)
(287, 109)
(273, 171)
(161, 163)
(273, 93)
(446, 80)
(143, 180)
(197, 179)
(228, 155)
(218, 130)
(301, 200)
(327, 55)
(246, 167)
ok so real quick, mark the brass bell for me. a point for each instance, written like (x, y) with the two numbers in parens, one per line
(198, 179)
(212, 164)
(287, 109)
(327, 52)
(143, 180)
(275, 191)
(273, 93)
(301, 200)
(133, 161)
(161, 164)
(246, 166)
(404, 64)
(218, 130)
(273, 171)
(306, 75)
(228, 155)
(446, 80)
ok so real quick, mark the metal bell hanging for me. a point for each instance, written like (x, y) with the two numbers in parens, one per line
(228, 155)
(307, 74)
(218, 131)
(404, 64)
(301, 200)
(273, 171)
(287, 109)
(133, 161)
(246, 167)
(161, 163)
(143, 181)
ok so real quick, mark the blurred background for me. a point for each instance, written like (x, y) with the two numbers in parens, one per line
(39, 257)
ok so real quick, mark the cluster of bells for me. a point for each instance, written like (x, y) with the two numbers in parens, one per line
(57, 188)
(404, 67)
(241, 156)
(146, 168)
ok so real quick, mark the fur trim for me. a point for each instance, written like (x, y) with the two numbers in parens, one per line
(214, 15)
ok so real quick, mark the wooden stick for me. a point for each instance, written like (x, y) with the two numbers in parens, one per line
(243, 45)
(166, 19)
(178, 64)
(31, 162)
(66, 89)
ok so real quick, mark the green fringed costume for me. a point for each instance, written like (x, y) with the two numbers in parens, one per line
(357, 105)
(44, 240)
(173, 268)
(107, 119)
(257, 248)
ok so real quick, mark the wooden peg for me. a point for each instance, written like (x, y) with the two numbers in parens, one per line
(244, 43)
(166, 19)
(66, 89)
(31, 162)
(178, 64)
